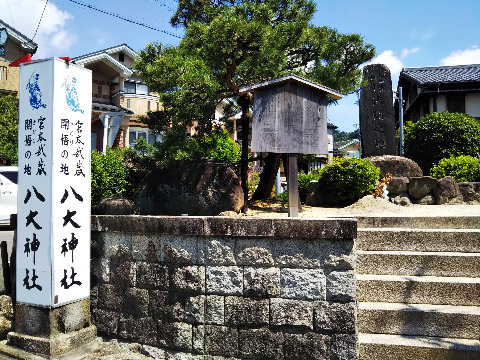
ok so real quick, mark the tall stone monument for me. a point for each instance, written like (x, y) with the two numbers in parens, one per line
(53, 231)
(377, 116)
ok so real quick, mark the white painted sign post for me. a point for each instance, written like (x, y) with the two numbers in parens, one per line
(53, 233)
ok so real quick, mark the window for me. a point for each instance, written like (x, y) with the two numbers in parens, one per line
(128, 103)
(134, 88)
(129, 88)
(136, 133)
(3, 72)
(456, 103)
(121, 57)
(93, 141)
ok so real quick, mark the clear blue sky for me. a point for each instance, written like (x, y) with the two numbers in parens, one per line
(405, 33)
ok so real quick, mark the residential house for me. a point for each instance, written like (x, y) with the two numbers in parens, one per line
(347, 148)
(441, 88)
(118, 98)
(13, 45)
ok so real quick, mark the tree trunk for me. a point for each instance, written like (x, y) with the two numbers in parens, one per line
(267, 177)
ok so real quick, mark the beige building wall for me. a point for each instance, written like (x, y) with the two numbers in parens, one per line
(9, 78)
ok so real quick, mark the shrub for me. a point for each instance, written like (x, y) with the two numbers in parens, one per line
(109, 175)
(441, 135)
(9, 128)
(462, 168)
(347, 180)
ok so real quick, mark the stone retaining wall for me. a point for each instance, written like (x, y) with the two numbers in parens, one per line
(245, 288)
(427, 190)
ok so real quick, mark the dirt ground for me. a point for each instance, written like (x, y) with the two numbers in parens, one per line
(367, 206)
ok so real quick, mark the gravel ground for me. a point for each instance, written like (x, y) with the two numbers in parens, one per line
(367, 206)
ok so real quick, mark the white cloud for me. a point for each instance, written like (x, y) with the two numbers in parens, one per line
(52, 37)
(394, 64)
(462, 57)
(406, 52)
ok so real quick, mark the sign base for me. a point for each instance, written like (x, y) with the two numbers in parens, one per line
(51, 332)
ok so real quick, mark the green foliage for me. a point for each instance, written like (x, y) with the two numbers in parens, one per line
(441, 135)
(109, 175)
(343, 136)
(347, 180)
(462, 168)
(253, 183)
(303, 181)
(9, 128)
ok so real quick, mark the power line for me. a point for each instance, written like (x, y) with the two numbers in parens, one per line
(10, 11)
(124, 18)
(41, 17)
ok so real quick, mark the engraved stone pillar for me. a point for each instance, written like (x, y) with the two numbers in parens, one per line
(377, 117)
(52, 314)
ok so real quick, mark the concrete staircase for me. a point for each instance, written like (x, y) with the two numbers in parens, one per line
(418, 288)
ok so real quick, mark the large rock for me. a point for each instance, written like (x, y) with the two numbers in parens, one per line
(447, 191)
(420, 186)
(115, 206)
(397, 166)
(203, 188)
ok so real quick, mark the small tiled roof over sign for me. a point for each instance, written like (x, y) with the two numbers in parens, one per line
(442, 74)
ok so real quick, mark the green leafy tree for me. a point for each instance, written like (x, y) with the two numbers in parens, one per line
(9, 128)
(464, 168)
(230, 44)
(441, 135)
(109, 175)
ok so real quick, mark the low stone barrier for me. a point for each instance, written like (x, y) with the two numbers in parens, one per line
(238, 287)
(427, 190)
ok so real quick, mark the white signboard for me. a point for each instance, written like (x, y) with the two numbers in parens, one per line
(53, 227)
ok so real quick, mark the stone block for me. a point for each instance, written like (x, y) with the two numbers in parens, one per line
(334, 317)
(214, 309)
(241, 311)
(297, 253)
(195, 309)
(100, 270)
(261, 281)
(180, 249)
(106, 321)
(110, 297)
(147, 247)
(344, 347)
(421, 186)
(189, 279)
(447, 191)
(152, 276)
(428, 199)
(302, 284)
(470, 192)
(260, 344)
(136, 302)
(5, 327)
(142, 330)
(307, 346)
(153, 352)
(167, 306)
(198, 339)
(339, 254)
(175, 335)
(221, 341)
(6, 306)
(224, 280)
(341, 286)
(123, 272)
(291, 313)
(217, 251)
(398, 185)
(254, 252)
(117, 245)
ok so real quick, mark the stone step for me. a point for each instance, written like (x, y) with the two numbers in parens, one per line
(401, 347)
(433, 290)
(420, 222)
(456, 264)
(419, 320)
(393, 239)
